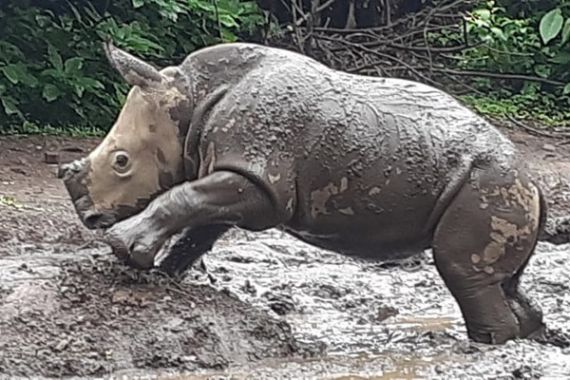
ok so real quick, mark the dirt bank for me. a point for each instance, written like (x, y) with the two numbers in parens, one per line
(67, 309)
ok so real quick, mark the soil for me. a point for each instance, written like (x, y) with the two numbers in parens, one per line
(259, 305)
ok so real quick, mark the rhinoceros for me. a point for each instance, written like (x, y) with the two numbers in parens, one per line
(257, 137)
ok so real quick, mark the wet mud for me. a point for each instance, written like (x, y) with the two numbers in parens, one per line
(259, 306)
(84, 316)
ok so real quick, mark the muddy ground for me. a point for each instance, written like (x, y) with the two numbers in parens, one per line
(261, 306)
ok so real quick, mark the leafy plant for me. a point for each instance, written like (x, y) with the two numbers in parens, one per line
(541, 107)
(508, 44)
(52, 67)
(529, 39)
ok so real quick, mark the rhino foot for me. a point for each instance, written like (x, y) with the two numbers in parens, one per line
(553, 337)
(528, 314)
(137, 240)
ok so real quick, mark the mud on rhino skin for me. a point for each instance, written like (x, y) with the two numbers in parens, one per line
(380, 168)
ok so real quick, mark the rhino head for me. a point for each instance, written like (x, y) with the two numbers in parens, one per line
(142, 155)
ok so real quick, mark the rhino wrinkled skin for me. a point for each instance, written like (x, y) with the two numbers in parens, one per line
(257, 137)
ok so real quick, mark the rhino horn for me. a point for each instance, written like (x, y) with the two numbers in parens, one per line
(134, 70)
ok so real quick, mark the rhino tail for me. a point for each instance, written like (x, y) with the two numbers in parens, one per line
(543, 211)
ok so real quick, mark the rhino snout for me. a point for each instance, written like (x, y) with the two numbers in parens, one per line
(74, 178)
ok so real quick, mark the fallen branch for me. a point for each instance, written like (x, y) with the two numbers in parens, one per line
(382, 55)
(484, 74)
(403, 48)
(451, 49)
(315, 12)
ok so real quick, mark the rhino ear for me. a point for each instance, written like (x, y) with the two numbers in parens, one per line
(134, 70)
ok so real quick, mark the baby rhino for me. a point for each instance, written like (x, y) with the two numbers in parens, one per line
(258, 137)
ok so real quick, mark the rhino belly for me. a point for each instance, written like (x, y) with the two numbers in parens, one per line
(373, 245)
(384, 227)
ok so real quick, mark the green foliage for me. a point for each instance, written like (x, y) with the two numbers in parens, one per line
(508, 45)
(543, 107)
(528, 38)
(53, 73)
(52, 66)
(28, 128)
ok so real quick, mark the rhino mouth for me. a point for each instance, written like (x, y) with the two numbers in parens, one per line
(95, 220)
(92, 218)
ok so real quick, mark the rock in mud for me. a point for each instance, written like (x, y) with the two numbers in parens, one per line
(557, 230)
(51, 158)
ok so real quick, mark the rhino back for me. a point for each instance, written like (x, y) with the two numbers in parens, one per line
(345, 151)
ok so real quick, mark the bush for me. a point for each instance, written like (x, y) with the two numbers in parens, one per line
(53, 73)
(528, 38)
(52, 66)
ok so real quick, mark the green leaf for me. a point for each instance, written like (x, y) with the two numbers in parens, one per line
(18, 73)
(43, 20)
(566, 32)
(12, 72)
(73, 65)
(89, 83)
(551, 24)
(228, 21)
(75, 12)
(79, 90)
(483, 14)
(562, 58)
(228, 36)
(51, 92)
(499, 33)
(9, 52)
(10, 106)
(566, 90)
(138, 3)
(542, 71)
(55, 58)
(29, 80)
(51, 73)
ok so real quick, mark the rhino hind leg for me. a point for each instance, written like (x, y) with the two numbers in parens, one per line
(481, 246)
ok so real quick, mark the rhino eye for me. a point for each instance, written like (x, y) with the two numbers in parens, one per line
(121, 162)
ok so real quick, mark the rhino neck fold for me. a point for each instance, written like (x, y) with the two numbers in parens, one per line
(198, 120)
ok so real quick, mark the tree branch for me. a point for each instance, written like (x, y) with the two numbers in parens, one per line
(511, 76)
(315, 12)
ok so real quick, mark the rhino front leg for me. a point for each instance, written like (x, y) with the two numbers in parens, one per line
(221, 198)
